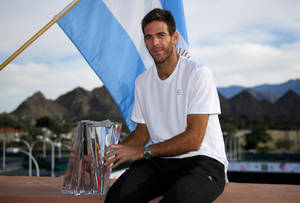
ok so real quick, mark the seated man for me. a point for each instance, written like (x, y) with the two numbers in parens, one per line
(176, 107)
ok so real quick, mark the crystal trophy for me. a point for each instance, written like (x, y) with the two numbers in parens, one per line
(86, 172)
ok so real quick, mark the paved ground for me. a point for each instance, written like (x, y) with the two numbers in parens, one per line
(15, 189)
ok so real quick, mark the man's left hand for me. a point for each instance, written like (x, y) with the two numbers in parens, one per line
(118, 154)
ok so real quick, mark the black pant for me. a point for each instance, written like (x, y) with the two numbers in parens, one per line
(194, 179)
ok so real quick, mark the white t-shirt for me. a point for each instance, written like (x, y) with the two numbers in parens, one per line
(163, 105)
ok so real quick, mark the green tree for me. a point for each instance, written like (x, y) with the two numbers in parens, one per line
(32, 132)
(283, 144)
(259, 135)
(8, 121)
(230, 128)
(45, 121)
(61, 127)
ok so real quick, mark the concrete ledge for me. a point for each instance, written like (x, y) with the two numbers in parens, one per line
(15, 189)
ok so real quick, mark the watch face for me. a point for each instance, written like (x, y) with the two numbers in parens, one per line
(147, 155)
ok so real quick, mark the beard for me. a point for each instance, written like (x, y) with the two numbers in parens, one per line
(166, 52)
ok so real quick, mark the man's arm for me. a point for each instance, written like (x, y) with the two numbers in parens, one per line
(189, 140)
(139, 137)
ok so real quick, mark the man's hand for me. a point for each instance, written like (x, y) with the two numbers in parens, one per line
(182, 52)
(118, 154)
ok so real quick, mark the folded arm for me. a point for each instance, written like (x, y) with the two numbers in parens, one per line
(133, 147)
(189, 140)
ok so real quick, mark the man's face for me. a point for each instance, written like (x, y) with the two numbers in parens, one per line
(159, 42)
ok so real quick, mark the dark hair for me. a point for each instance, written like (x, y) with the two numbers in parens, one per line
(158, 14)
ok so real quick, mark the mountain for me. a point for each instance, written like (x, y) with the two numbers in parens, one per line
(225, 105)
(264, 92)
(262, 96)
(102, 101)
(280, 89)
(78, 103)
(289, 104)
(81, 104)
(36, 106)
(75, 102)
(245, 103)
(230, 91)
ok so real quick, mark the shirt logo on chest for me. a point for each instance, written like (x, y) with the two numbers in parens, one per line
(179, 92)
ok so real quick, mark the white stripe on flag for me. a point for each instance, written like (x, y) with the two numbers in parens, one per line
(130, 13)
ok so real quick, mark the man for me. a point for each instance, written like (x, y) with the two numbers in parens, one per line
(176, 107)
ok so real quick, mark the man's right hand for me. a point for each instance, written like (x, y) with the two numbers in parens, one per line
(118, 154)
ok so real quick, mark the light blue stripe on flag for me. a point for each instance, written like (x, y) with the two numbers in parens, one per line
(107, 48)
(176, 8)
(108, 35)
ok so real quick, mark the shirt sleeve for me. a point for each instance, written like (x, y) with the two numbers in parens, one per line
(137, 115)
(203, 95)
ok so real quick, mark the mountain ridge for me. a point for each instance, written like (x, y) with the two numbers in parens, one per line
(267, 92)
(80, 104)
(77, 103)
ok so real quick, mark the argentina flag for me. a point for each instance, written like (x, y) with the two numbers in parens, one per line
(108, 35)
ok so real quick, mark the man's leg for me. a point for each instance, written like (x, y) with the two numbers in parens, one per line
(140, 183)
(202, 180)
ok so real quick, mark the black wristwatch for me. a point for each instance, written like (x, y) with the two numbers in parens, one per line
(147, 153)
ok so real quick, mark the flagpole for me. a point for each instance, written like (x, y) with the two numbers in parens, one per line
(39, 33)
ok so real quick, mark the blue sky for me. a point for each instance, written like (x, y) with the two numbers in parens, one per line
(244, 43)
